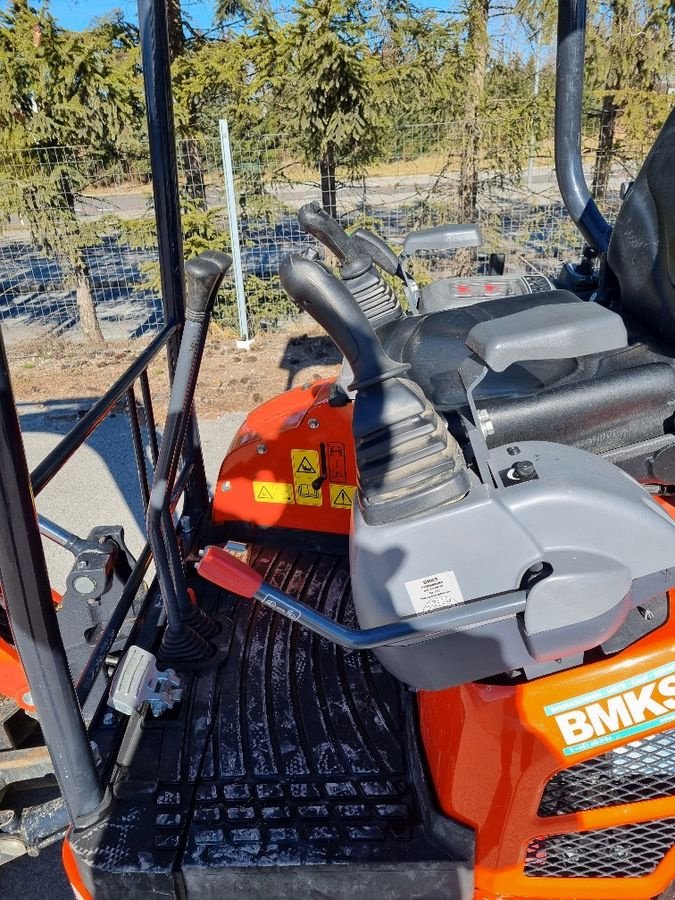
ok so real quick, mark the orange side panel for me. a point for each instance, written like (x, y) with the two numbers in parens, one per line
(13, 681)
(73, 873)
(491, 750)
(291, 464)
(12, 676)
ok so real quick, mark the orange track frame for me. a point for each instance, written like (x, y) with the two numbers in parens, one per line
(13, 681)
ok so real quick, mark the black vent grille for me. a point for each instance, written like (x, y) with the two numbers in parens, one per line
(627, 851)
(641, 770)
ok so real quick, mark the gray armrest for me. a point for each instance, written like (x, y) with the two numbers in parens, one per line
(558, 331)
(443, 237)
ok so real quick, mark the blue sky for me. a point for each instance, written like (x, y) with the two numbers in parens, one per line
(78, 14)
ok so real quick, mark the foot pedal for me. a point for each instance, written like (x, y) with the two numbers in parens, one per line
(138, 681)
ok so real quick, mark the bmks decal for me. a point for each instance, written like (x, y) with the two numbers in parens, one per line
(617, 711)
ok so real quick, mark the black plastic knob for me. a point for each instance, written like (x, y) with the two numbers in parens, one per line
(203, 275)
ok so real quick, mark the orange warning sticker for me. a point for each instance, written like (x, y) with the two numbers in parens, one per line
(272, 492)
(307, 477)
(342, 495)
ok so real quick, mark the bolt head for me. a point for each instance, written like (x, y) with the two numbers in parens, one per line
(313, 423)
(83, 584)
(261, 449)
(226, 486)
(524, 468)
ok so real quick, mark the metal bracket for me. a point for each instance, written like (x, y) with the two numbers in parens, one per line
(137, 681)
(472, 372)
(102, 567)
(410, 286)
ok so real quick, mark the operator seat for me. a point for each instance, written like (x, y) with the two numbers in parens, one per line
(619, 403)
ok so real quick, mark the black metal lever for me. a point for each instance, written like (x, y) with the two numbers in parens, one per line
(330, 303)
(232, 574)
(185, 640)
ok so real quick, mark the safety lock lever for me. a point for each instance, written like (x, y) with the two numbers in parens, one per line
(137, 681)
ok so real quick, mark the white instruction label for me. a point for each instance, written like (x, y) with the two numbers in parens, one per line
(434, 592)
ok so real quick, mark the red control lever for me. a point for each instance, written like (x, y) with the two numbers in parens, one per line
(225, 570)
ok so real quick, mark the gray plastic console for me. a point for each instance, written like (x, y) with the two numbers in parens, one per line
(443, 237)
(584, 540)
(557, 331)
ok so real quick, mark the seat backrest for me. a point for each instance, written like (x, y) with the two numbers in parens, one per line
(641, 254)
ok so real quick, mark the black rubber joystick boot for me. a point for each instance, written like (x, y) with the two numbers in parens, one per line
(407, 461)
(373, 294)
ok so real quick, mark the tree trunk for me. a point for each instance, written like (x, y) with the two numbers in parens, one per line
(605, 149)
(328, 191)
(193, 167)
(175, 28)
(477, 46)
(85, 304)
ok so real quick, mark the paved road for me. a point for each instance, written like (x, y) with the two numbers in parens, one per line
(98, 486)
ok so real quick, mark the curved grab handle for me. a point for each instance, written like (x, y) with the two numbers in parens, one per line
(330, 303)
(313, 219)
(203, 275)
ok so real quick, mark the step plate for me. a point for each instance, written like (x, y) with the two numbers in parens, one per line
(290, 754)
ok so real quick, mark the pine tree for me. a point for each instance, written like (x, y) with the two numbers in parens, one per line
(319, 69)
(60, 92)
(632, 49)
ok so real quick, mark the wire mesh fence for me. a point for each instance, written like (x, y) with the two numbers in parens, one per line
(79, 230)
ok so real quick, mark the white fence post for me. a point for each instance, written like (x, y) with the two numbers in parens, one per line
(231, 199)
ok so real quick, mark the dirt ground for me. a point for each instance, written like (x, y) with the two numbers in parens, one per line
(231, 380)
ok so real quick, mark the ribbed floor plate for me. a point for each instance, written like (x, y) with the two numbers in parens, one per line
(280, 767)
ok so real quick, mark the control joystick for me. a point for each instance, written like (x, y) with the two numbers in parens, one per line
(407, 461)
(358, 255)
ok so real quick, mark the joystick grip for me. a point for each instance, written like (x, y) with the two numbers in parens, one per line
(315, 221)
(329, 302)
(203, 275)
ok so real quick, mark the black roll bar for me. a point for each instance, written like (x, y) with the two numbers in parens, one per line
(154, 39)
(569, 92)
(33, 621)
(55, 460)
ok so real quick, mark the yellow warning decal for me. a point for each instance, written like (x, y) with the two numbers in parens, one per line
(342, 495)
(307, 477)
(272, 492)
(305, 462)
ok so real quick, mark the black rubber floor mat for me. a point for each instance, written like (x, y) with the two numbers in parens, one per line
(290, 754)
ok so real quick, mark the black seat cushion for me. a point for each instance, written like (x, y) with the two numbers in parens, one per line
(434, 345)
(598, 402)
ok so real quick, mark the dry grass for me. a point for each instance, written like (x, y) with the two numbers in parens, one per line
(231, 380)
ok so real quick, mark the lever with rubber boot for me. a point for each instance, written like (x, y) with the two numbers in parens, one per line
(185, 641)
(407, 461)
(358, 256)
